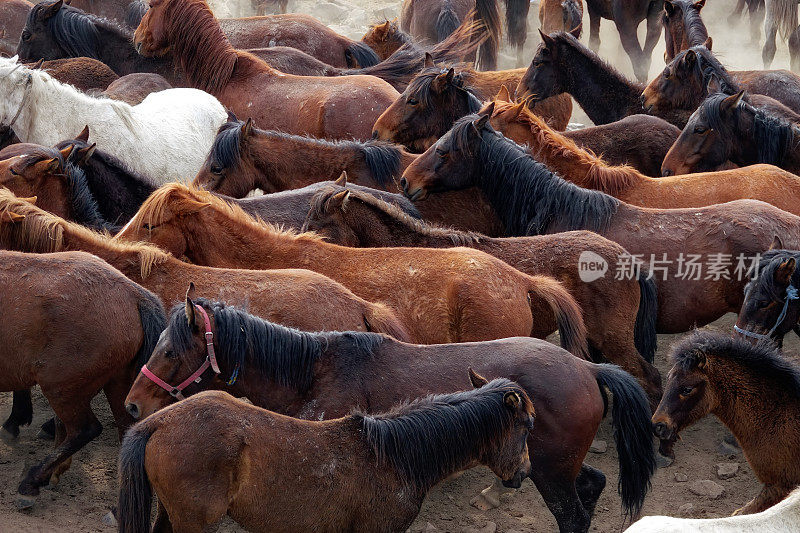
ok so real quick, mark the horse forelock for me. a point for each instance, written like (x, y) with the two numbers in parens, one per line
(420, 88)
(429, 438)
(226, 150)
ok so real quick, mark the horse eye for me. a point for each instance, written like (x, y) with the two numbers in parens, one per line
(169, 354)
(686, 391)
(666, 73)
(26, 36)
(441, 153)
(216, 170)
(148, 227)
(412, 101)
(700, 129)
(13, 172)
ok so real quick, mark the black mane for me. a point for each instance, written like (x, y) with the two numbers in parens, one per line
(764, 359)
(247, 342)
(85, 210)
(429, 438)
(706, 67)
(693, 24)
(529, 198)
(318, 205)
(420, 88)
(767, 264)
(75, 31)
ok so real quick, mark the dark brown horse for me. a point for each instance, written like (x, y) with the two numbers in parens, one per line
(532, 200)
(353, 217)
(326, 375)
(683, 27)
(753, 390)
(84, 73)
(724, 128)
(389, 461)
(118, 10)
(78, 327)
(560, 15)
(456, 295)
(332, 107)
(13, 14)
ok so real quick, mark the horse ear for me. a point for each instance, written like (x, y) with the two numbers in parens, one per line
(342, 179)
(51, 10)
(84, 134)
(548, 41)
(247, 129)
(730, 103)
(512, 400)
(489, 111)
(340, 200)
(699, 5)
(709, 43)
(714, 85)
(517, 111)
(428, 60)
(476, 379)
(231, 116)
(777, 243)
(11, 216)
(690, 58)
(669, 8)
(576, 31)
(66, 152)
(503, 95)
(48, 166)
(783, 274)
(480, 122)
(443, 80)
(191, 314)
(700, 361)
(38, 64)
(81, 156)
(29, 199)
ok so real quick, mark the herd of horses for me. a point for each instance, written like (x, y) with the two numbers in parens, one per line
(383, 305)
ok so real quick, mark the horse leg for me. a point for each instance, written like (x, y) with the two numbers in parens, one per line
(115, 391)
(794, 50)
(756, 11)
(59, 434)
(489, 498)
(21, 414)
(590, 484)
(630, 42)
(653, 32)
(561, 497)
(769, 496)
(594, 29)
(162, 523)
(770, 32)
(737, 12)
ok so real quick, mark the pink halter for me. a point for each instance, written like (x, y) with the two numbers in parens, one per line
(211, 361)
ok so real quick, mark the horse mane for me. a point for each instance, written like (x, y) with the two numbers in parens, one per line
(763, 274)
(76, 31)
(320, 205)
(772, 135)
(611, 179)
(599, 65)
(693, 24)
(706, 67)
(420, 87)
(199, 44)
(43, 232)
(282, 354)
(176, 199)
(530, 199)
(428, 438)
(135, 12)
(764, 359)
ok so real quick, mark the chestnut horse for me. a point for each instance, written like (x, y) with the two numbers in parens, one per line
(84, 73)
(390, 459)
(271, 293)
(440, 295)
(332, 107)
(683, 27)
(386, 38)
(533, 200)
(78, 327)
(726, 128)
(640, 141)
(326, 375)
(352, 217)
(560, 15)
(134, 88)
(753, 390)
(762, 182)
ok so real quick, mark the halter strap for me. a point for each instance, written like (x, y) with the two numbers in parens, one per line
(791, 294)
(28, 85)
(196, 377)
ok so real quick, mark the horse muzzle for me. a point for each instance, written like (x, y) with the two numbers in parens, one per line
(664, 431)
(133, 410)
(516, 481)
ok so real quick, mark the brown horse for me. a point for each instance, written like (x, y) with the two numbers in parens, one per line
(533, 200)
(353, 217)
(386, 38)
(390, 459)
(326, 375)
(282, 295)
(560, 15)
(84, 73)
(78, 327)
(133, 88)
(683, 27)
(753, 390)
(436, 97)
(454, 295)
(726, 128)
(13, 14)
(111, 9)
(762, 182)
(640, 141)
(332, 107)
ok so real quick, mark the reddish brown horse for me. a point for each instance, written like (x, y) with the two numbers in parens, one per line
(759, 182)
(533, 200)
(440, 295)
(78, 327)
(753, 390)
(84, 73)
(133, 88)
(331, 107)
(353, 217)
(314, 376)
(282, 295)
(386, 38)
(392, 460)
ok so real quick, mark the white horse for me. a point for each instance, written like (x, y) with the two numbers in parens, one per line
(783, 517)
(166, 137)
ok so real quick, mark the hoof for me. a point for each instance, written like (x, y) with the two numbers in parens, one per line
(109, 519)
(54, 479)
(664, 461)
(25, 503)
(484, 502)
(7, 436)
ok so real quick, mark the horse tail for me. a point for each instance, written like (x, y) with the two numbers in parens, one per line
(446, 22)
(135, 492)
(154, 321)
(464, 40)
(567, 312)
(379, 318)
(786, 17)
(644, 329)
(517, 21)
(573, 15)
(630, 418)
(359, 55)
(134, 13)
(21, 412)
(488, 13)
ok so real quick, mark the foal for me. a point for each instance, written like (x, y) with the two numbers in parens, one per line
(753, 390)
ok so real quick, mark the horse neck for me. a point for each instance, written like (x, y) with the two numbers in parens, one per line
(290, 162)
(377, 228)
(603, 93)
(117, 192)
(117, 52)
(126, 261)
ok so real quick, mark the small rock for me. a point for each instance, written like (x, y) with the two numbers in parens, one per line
(707, 488)
(490, 527)
(727, 449)
(727, 470)
(110, 520)
(663, 461)
(687, 509)
(680, 477)
(598, 446)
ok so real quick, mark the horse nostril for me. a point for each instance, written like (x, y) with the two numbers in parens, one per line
(666, 172)
(133, 410)
(138, 47)
(374, 135)
(642, 99)
(659, 428)
(404, 184)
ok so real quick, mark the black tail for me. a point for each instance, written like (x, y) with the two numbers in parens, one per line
(446, 22)
(488, 13)
(359, 55)
(573, 16)
(154, 321)
(517, 21)
(630, 418)
(135, 492)
(21, 412)
(644, 330)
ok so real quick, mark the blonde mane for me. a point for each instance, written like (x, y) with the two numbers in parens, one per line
(43, 232)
